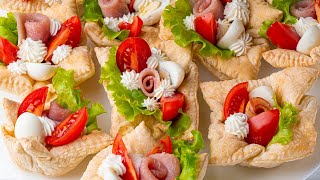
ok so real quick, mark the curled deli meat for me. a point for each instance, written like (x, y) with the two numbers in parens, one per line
(149, 80)
(58, 113)
(114, 8)
(201, 7)
(304, 9)
(160, 167)
(33, 25)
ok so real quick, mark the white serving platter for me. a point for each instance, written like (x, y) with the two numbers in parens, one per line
(92, 90)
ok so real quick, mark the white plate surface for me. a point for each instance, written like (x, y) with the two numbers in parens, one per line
(92, 90)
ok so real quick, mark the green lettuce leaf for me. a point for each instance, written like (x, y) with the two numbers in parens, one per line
(8, 28)
(121, 35)
(284, 6)
(187, 153)
(129, 103)
(264, 28)
(68, 97)
(179, 125)
(95, 110)
(184, 37)
(288, 117)
(92, 10)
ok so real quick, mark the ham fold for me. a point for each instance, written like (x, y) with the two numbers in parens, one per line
(114, 8)
(33, 25)
(202, 7)
(304, 9)
(160, 167)
(149, 80)
(58, 113)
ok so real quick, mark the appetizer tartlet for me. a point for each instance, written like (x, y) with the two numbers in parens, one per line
(146, 84)
(223, 35)
(110, 22)
(296, 36)
(138, 155)
(37, 38)
(262, 123)
(53, 129)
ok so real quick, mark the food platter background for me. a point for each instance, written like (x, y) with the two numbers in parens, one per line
(94, 91)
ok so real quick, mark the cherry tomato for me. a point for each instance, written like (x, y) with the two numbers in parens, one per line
(69, 34)
(134, 28)
(165, 145)
(236, 100)
(263, 127)
(283, 36)
(170, 106)
(131, 6)
(8, 51)
(119, 148)
(226, 1)
(70, 129)
(207, 27)
(34, 102)
(133, 54)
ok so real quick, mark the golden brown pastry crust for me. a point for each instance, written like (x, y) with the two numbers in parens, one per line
(189, 87)
(30, 155)
(146, 142)
(290, 85)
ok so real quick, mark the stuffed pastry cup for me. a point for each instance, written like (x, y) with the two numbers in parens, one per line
(166, 78)
(53, 129)
(110, 22)
(224, 37)
(286, 137)
(143, 150)
(33, 36)
(296, 36)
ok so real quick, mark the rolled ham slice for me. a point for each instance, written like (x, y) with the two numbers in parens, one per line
(58, 113)
(160, 167)
(114, 8)
(149, 80)
(202, 7)
(304, 9)
(33, 25)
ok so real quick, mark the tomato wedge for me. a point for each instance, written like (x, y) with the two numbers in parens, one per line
(134, 28)
(165, 145)
(119, 148)
(236, 100)
(69, 34)
(70, 129)
(131, 6)
(34, 102)
(283, 36)
(133, 54)
(8, 51)
(170, 106)
(224, 2)
(263, 127)
(207, 27)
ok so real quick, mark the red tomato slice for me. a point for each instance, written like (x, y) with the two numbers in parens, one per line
(165, 145)
(69, 34)
(134, 28)
(34, 102)
(207, 27)
(131, 6)
(236, 100)
(119, 148)
(70, 129)
(170, 106)
(8, 51)
(283, 36)
(263, 127)
(226, 1)
(133, 54)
